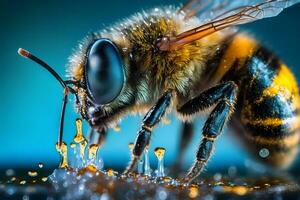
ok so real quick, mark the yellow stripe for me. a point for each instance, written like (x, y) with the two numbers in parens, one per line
(287, 141)
(283, 85)
(270, 121)
(240, 48)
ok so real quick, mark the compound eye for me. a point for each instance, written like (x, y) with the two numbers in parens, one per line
(104, 72)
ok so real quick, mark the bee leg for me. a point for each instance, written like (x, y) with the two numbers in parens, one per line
(151, 119)
(224, 96)
(97, 137)
(186, 136)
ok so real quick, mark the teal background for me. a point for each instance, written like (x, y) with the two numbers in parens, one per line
(30, 99)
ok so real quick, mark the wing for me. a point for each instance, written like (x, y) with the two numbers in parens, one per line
(229, 17)
(208, 10)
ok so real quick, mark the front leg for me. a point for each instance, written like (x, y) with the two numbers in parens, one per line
(224, 96)
(151, 119)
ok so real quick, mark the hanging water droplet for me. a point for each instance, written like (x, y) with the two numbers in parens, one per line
(63, 151)
(117, 128)
(160, 152)
(130, 146)
(264, 153)
(140, 166)
(147, 169)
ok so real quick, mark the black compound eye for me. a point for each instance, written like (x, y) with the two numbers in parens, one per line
(104, 72)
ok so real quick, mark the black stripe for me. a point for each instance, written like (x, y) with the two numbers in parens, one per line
(214, 61)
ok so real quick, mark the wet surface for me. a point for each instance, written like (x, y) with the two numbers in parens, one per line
(90, 183)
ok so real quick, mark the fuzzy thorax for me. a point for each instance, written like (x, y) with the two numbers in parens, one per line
(149, 71)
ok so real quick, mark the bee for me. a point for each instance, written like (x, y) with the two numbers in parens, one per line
(187, 59)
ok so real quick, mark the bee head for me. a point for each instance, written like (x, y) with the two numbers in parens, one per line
(104, 72)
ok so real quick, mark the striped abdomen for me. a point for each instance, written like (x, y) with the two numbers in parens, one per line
(268, 99)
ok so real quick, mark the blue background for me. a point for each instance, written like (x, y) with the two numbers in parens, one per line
(30, 99)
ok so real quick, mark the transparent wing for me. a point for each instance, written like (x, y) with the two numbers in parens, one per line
(208, 10)
(231, 17)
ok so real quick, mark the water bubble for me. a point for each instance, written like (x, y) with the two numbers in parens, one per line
(217, 177)
(264, 152)
(232, 171)
(161, 194)
(10, 190)
(104, 196)
(9, 172)
(25, 197)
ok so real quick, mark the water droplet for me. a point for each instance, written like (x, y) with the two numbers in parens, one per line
(23, 182)
(130, 146)
(264, 153)
(232, 171)
(217, 177)
(117, 128)
(41, 165)
(63, 151)
(44, 179)
(25, 197)
(32, 173)
(160, 152)
(147, 169)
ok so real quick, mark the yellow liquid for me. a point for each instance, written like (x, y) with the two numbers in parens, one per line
(72, 145)
(159, 152)
(130, 146)
(110, 172)
(63, 151)
(193, 191)
(117, 128)
(79, 138)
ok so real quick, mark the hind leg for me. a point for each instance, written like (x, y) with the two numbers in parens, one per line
(224, 96)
